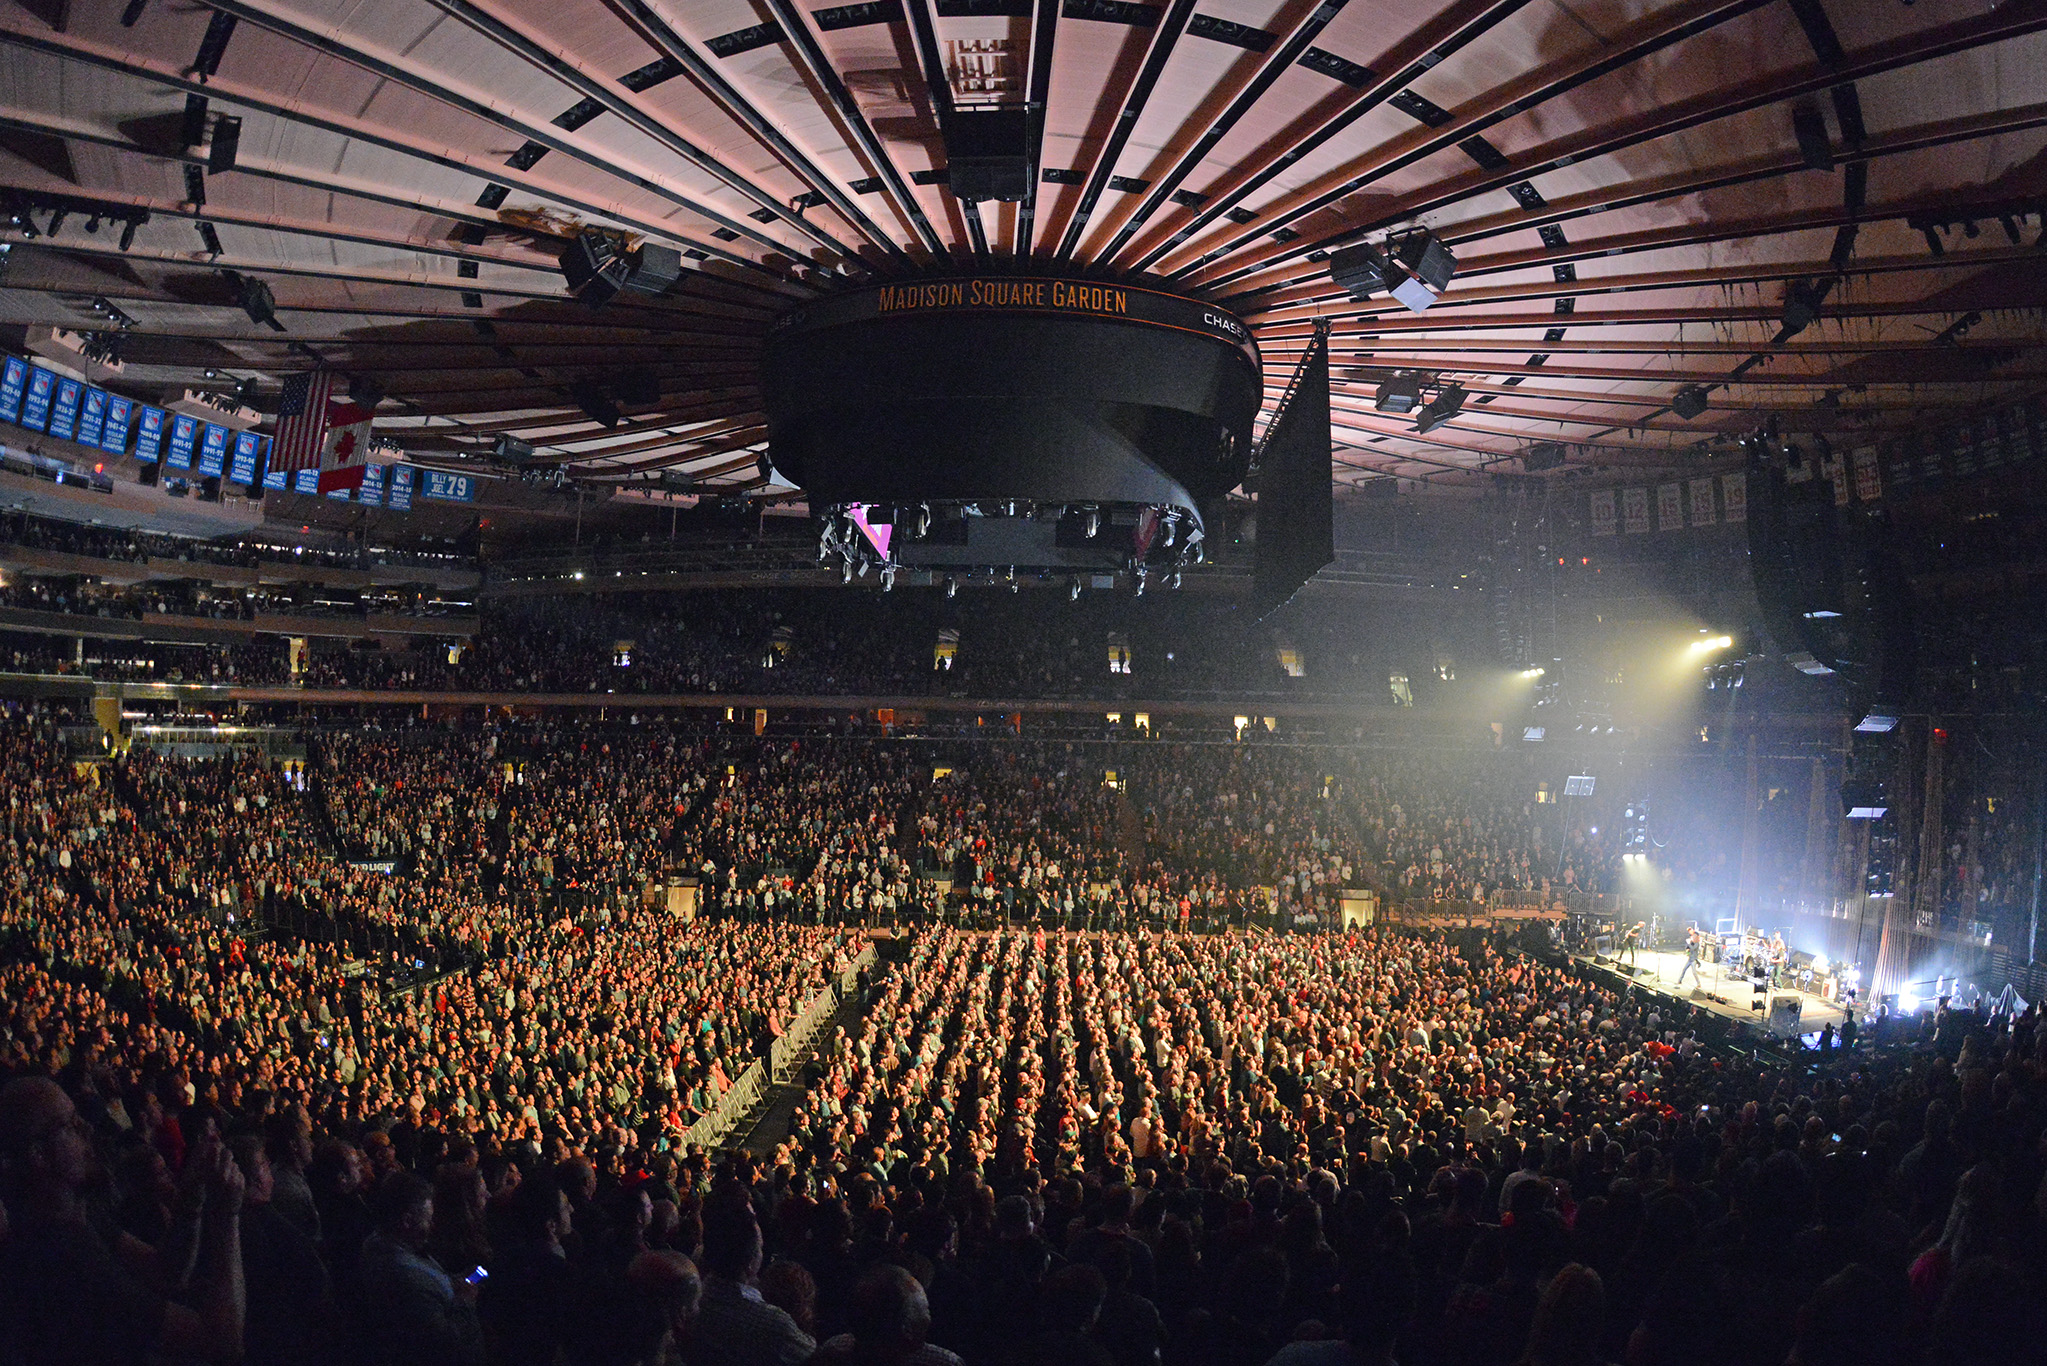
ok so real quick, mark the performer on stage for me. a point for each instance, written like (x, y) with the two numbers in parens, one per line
(1631, 944)
(1691, 958)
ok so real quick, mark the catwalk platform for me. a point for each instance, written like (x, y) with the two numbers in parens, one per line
(1711, 988)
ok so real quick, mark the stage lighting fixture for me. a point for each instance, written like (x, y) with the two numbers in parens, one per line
(1533, 673)
(1359, 271)
(1448, 402)
(511, 450)
(1092, 523)
(1073, 591)
(952, 586)
(1689, 401)
(1400, 394)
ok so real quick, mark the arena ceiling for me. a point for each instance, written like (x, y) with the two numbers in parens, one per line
(1623, 183)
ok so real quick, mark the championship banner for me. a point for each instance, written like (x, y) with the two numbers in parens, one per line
(92, 417)
(1604, 522)
(13, 385)
(1868, 481)
(120, 413)
(213, 451)
(64, 412)
(35, 403)
(399, 492)
(372, 490)
(1670, 507)
(184, 437)
(1635, 511)
(1734, 496)
(149, 424)
(247, 446)
(1702, 503)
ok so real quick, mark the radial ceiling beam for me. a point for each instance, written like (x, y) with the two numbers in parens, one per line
(159, 73)
(713, 404)
(1477, 365)
(813, 63)
(725, 447)
(293, 270)
(1164, 38)
(1276, 64)
(1924, 346)
(1649, 36)
(925, 38)
(495, 23)
(664, 39)
(544, 133)
(1304, 276)
(1750, 274)
(1707, 233)
(1426, 48)
(1382, 326)
(1769, 166)
(1037, 95)
(1997, 26)
(701, 285)
(222, 216)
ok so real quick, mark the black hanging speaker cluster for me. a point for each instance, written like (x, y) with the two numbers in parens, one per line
(599, 268)
(1414, 268)
(987, 154)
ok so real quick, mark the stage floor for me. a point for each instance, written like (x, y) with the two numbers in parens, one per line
(1712, 989)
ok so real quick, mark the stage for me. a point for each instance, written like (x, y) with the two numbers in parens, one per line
(1711, 988)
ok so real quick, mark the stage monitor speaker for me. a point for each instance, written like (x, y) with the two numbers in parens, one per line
(1542, 455)
(987, 154)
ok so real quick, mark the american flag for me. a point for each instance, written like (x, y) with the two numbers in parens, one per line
(302, 421)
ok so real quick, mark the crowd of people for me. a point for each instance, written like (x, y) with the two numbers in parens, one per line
(909, 644)
(371, 1051)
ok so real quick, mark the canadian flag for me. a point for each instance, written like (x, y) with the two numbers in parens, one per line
(345, 451)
